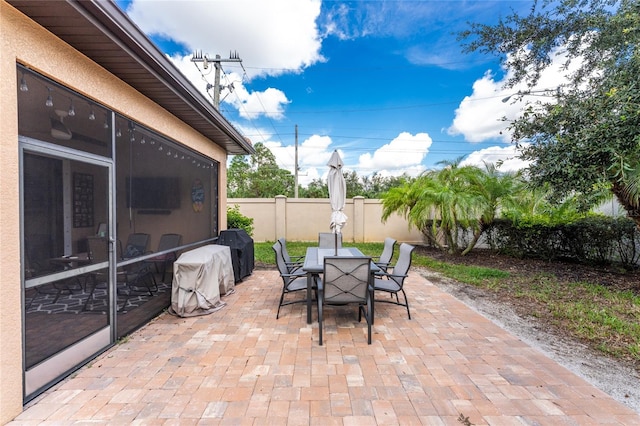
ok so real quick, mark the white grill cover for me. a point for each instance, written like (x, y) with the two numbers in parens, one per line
(199, 277)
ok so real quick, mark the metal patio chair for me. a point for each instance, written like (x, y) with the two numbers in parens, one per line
(346, 281)
(163, 261)
(291, 281)
(293, 263)
(384, 260)
(393, 282)
(327, 240)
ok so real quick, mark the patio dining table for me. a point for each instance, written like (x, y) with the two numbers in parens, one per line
(314, 266)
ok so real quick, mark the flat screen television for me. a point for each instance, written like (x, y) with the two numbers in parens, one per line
(153, 193)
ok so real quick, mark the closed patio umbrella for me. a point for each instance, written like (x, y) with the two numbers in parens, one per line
(337, 194)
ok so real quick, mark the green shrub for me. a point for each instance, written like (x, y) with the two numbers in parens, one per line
(236, 220)
(591, 239)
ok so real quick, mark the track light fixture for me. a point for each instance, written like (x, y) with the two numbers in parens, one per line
(23, 84)
(49, 101)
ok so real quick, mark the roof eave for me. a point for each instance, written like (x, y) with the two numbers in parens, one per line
(162, 76)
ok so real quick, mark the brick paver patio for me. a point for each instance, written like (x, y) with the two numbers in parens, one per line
(448, 365)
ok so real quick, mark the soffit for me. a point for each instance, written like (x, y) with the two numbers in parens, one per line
(103, 33)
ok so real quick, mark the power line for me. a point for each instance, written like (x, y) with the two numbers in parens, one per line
(331, 68)
(385, 108)
(349, 139)
(217, 61)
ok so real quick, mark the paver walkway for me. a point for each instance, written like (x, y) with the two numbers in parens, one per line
(448, 365)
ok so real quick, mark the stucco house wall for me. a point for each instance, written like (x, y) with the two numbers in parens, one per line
(25, 42)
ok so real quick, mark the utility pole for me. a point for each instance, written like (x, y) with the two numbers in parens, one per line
(295, 194)
(199, 57)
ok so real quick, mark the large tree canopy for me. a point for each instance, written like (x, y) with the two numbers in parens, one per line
(258, 176)
(588, 139)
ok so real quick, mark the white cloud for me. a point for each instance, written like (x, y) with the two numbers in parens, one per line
(313, 156)
(271, 37)
(251, 105)
(403, 154)
(479, 116)
(492, 155)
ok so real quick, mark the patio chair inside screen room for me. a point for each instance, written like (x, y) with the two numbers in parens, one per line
(136, 275)
(327, 240)
(345, 282)
(162, 261)
(137, 245)
(97, 249)
(393, 282)
(292, 282)
(133, 277)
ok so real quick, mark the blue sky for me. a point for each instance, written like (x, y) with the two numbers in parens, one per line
(383, 82)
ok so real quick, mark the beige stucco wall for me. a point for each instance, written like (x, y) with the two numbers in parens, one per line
(23, 41)
(301, 219)
(10, 317)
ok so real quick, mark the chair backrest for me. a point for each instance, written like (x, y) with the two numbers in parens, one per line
(346, 279)
(137, 245)
(97, 249)
(282, 266)
(327, 240)
(387, 250)
(404, 262)
(283, 249)
(169, 241)
(102, 230)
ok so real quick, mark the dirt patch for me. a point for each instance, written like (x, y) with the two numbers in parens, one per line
(618, 378)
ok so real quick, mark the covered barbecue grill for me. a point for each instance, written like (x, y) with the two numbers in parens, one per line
(241, 245)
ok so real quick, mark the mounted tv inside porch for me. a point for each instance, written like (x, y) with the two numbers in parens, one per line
(153, 193)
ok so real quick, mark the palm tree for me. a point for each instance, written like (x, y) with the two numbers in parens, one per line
(454, 204)
(496, 192)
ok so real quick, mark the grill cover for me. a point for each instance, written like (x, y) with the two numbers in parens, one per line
(199, 277)
(241, 245)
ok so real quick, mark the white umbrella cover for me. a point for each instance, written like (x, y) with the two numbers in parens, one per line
(337, 192)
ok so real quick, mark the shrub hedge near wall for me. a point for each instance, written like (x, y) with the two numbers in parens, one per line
(601, 240)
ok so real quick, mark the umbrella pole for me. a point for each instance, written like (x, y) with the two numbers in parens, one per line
(335, 244)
